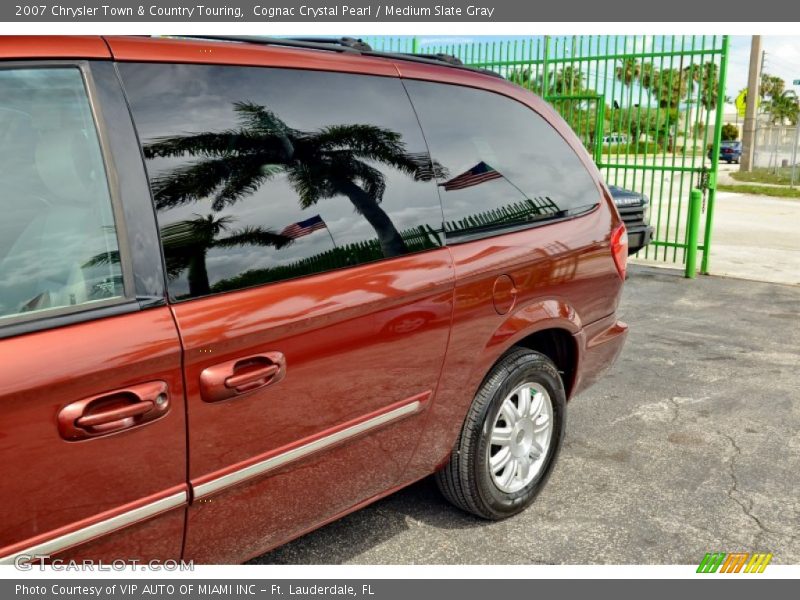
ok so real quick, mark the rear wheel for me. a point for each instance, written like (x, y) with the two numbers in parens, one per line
(510, 439)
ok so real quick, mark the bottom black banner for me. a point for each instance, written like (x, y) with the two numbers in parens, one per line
(391, 589)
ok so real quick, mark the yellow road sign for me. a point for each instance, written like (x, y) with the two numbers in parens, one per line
(741, 102)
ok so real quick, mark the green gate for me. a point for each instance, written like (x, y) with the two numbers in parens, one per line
(585, 113)
(648, 108)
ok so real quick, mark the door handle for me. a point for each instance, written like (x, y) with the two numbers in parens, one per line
(241, 375)
(107, 417)
(244, 381)
(114, 411)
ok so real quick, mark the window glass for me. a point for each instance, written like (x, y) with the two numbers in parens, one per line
(500, 162)
(58, 244)
(260, 174)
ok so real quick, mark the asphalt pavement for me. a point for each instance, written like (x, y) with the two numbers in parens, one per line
(755, 237)
(691, 444)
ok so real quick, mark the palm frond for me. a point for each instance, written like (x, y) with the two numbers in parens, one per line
(223, 143)
(259, 119)
(253, 236)
(311, 182)
(201, 179)
(367, 142)
(250, 174)
(106, 258)
(195, 232)
(348, 169)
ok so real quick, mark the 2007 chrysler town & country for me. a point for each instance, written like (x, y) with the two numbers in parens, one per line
(247, 287)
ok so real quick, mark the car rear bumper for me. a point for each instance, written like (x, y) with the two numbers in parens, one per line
(599, 345)
(732, 157)
(638, 238)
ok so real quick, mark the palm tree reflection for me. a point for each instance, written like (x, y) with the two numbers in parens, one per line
(186, 244)
(321, 164)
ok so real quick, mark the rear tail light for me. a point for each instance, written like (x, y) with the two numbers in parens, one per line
(619, 248)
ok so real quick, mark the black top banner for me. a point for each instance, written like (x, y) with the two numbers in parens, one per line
(362, 11)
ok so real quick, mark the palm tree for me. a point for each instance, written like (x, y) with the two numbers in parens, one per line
(647, 75)
(707, 78)
(771, 86)
(783, 108)
(670, 87)
(186, 244)
(332, 161)
(524, 78)
(628, 71)
(568, 81)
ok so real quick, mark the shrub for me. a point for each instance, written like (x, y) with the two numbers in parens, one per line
(730, 132)
(633, 148)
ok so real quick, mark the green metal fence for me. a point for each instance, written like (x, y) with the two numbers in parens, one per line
(648, 108)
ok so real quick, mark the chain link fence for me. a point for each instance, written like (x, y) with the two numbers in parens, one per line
(777, 148)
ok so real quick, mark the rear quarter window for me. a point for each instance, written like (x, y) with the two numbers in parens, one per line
(502, 164)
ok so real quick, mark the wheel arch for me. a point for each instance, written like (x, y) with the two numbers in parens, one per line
(546, 326)
(558, 345)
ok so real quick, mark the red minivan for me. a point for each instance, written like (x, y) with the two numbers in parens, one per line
(248, 286)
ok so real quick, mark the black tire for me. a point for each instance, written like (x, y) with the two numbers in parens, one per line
(466, 481)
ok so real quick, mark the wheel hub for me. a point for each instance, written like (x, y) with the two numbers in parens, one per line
(523, 438)
(520, 437)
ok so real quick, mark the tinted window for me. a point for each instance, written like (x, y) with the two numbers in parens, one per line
(260, 174)
(501, 162)
(58, 244)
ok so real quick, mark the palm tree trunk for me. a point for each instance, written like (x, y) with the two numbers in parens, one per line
(198, 275)
(391, 242)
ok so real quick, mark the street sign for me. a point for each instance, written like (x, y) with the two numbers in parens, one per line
(741, 102)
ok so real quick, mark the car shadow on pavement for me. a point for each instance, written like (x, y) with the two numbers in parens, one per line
(419, 505)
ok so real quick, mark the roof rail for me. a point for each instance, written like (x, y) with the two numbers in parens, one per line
(345, 45)
(355, 43)
(445, 58)
(331, 45)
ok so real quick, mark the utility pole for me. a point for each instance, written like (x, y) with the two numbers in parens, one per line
(753, 83)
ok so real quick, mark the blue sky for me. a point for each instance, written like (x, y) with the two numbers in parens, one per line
(783, 60)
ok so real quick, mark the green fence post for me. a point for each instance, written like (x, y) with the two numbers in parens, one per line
(598, 130)
(546, 68)
(692, 229)
(712, 180)
(414, 45)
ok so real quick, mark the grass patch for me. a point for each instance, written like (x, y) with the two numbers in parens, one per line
(780, 176)
(761, 190)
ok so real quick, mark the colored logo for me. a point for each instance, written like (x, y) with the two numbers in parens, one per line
(736, 562)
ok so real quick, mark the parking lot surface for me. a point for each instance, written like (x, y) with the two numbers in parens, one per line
(691, 444)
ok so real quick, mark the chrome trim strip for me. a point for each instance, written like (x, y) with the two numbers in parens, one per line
(269, 464)
(73, 538)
